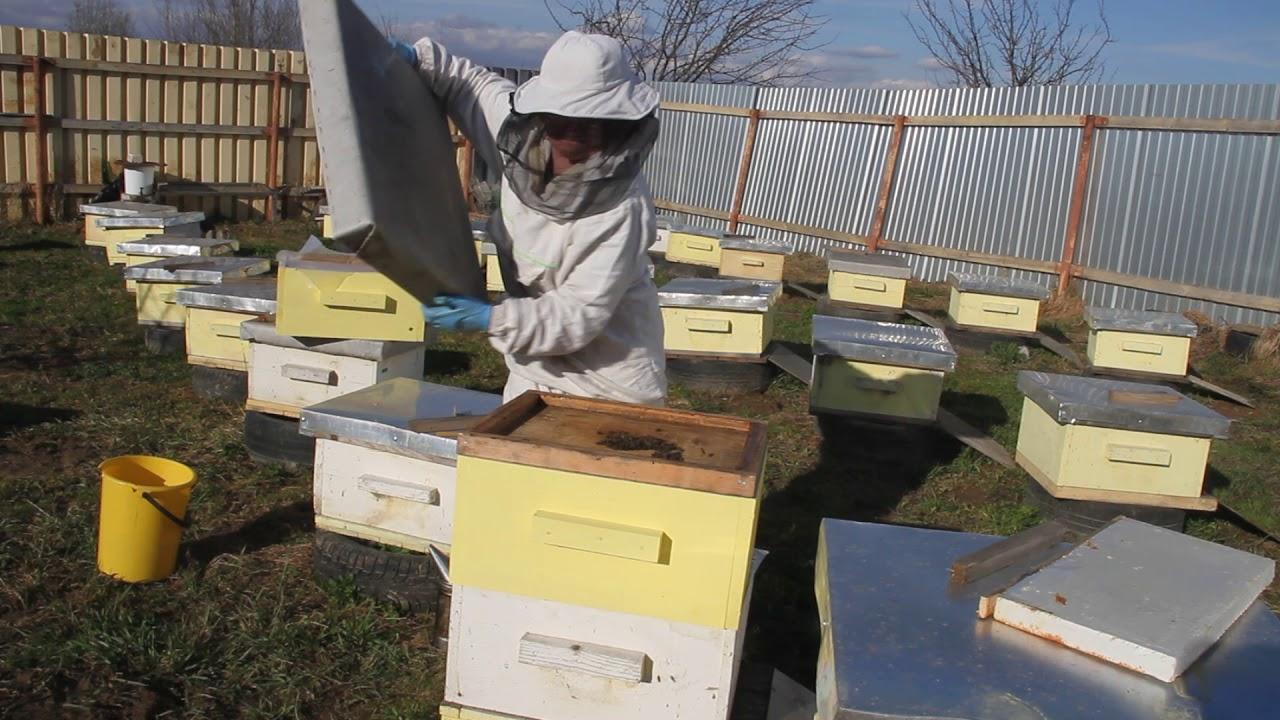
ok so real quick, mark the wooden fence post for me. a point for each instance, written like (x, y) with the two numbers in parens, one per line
(273, 143)
(744, 168)
(1066, 268)
(886, 183)
(38, 126)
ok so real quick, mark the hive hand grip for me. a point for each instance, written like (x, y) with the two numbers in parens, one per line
(308, 374)
(752, 262)
(167, 296)
(872, 285)
(883, 386)
(583, 657)
(599, 536)
(1000, 308)
(706, 245)
(1138, 455)
(708, 325)
(225, 331)
(388, 487)
(349, 300)
(1146, 348)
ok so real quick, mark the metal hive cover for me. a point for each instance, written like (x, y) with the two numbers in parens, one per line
(679, 227)
(753, 295)
(125, 208)
(199, 270)
(488, 248)
(252, 295)
(380, 415)
(158, 220)
(1072, 400)
(880, 342)
(751, 243)
(178, 245)
(389, 162)
(1140, 321)
(997, 285)
(262, 331)
(864, 263)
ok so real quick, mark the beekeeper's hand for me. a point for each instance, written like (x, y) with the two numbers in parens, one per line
(457, 312)
(407, 52)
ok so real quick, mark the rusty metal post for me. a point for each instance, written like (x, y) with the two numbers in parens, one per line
(744, 168)
(1067, 266)
(886, 183)
(38, 125)
(273, 142)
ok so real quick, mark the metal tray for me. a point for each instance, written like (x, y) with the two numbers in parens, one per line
(1072, 400)
(261, 331)
(751, 243)
(864, 263)
(723, 294)
(160, 220)
(885, 343)
(1139, 321)
(997, 285)
(199, 271)
(178, 245)
(380, 416)
(125, 208)
(250, 295)
(388, 158)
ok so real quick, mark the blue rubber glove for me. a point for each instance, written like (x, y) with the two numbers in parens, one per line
(457, 312)
(408, 52)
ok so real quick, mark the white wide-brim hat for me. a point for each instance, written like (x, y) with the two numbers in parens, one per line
(586, 76)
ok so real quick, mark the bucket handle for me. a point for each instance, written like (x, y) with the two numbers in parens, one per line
(183, 523)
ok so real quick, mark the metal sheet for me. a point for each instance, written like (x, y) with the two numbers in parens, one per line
(162, 220)
(863, 263)
(1072, 400)
(896, 644)
(688, 229)
(379, 416)
(998, 285)
(261, 331)
(124, 208)
(885, 343)
(1140, 321)
(389, 163)
(751, 243)
(250, 295)
(751, 295)
(201, 271)
(178, 245)
(488, 248)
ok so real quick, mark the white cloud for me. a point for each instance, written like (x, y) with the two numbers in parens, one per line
(902, 84)
(1215, 51)
(863, 52)
(482, 41)
(929, 63)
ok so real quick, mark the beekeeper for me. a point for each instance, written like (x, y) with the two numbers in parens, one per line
(574, 222)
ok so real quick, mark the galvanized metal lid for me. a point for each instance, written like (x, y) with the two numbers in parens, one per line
(261, 331)
(199, 271)
(1141, 407)
(724, 294)
(997, 285)
(125, 208)
(664, 223)
(313, 255)
(488, 248)
(480, 229)
(157, 220)
(679, 227)
(864, 263)
(1139, 321)
(385, 416)
(177, 245)
(752, 243)
(250, 295)
(885, 343)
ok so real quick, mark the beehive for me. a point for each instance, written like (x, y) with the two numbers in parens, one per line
(1115, 441)
(386, 459)
(996, 304)
(878, 370)
(867, 279)
(694, 246)
(92, 212)
(214, 314)
(287, 373)
(159, 281)
(116, 230)
(152, 247)
(1136, 341)
(326, 221)
(492, 269)
(663, 238)
(326, 294)
(718, 316)
(480, 234)
(753, 258)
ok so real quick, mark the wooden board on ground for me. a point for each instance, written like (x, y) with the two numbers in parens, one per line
(973, 437)
(791, 362)
(1204, 503)
(1060, 349)
(1197, 381)
(927, 319)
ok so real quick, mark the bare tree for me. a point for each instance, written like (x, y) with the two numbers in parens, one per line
(758, 42)
(243, 23)
(983, 43)
(101, 17)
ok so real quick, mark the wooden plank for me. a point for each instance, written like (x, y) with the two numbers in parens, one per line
(74, 143)
(152, 71)
(153, 102)
(1204, 503)
(54, 47)
(190, 167)
(227, 94)
(691, 209)
(834, 117)
(209, 59)
(96, 170)
(1014, 550)
(244, 118)
(1059, 349)
(1218, 125)
(261, 109)
(113, 97)
(973, 437)
(801, 290)
(33, 154)
(791, 363)
(1198, 381)
(927, 319)
(133, 97)
(11, 140)
(1198, 292)
(172, 113)
(705, 109)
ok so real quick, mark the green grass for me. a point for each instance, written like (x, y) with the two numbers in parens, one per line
(243, 629)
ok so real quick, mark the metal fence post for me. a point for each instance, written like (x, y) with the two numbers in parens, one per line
(886, 183)
(1066, 267)
(744, 168)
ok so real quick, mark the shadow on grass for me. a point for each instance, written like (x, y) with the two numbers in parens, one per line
(44, 244)
(270, 528)
(981, 411)
(16, 416)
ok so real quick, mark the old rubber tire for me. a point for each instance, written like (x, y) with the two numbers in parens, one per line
(165, 340)
(275, 440)
(725, 376)
(220, 384)
(1086, 518)
(406, 580)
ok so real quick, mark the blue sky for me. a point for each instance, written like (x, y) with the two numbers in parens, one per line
(867, 41)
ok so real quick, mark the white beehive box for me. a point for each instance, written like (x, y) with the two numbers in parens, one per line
(718, 317)
(159, 281)
(381, 472)
(742, 256)
(214, 314)
(92, 212)
(116, 230)
(995, 304)
(1139, 341)
(871, 280)
(152, 247)
(287, 373)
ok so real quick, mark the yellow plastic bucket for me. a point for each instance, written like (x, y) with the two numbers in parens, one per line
(143, 512)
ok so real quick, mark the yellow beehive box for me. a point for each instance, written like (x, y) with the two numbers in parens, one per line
(995, 304)
(386, 456)
(718, 316)
(287, 373)
(663, 237)
(92, 212)
(326, 221)
(326, 294)
(694, 246)
(480, 234)
(1139, 341)
(878, 370)
(492, 269)
(639, 510)
(116, 230)
(160, 280)
(1113, 441)
(742, 256)
(214, 314)
(137, 252)
(867, 279)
